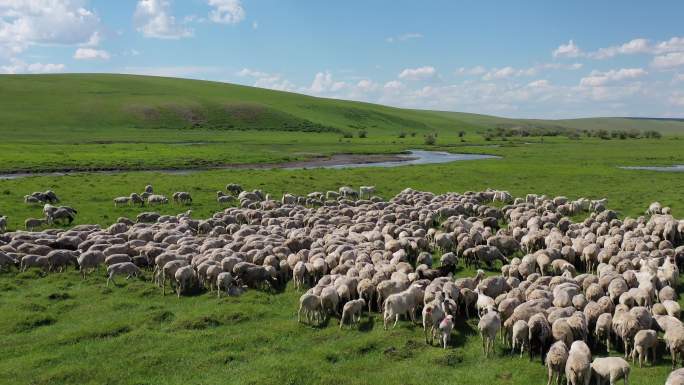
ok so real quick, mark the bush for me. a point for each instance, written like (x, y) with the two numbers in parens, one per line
(430, 139)
(652, 134)
(603, 134)
(347, 135)
(461, 134)
(413, 134)
(363, 133)
(402, 134)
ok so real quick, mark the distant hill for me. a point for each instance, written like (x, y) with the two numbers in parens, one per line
(105, 101)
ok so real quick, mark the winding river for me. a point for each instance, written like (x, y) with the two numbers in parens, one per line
(339, 161)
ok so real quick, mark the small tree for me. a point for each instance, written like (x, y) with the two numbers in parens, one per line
(347, 135)
(363, 133)
(430, 139)
(461, 134)
(402, 134)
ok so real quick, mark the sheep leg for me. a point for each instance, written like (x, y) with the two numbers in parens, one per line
(396, 320)
(550, 376)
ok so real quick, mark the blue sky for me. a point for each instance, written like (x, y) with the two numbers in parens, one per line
(522, 59)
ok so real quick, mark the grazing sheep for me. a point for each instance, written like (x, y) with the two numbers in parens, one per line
(185, 278)
(136, 199)
(643, 341)
(90, 260)
(148, 189)
(31, 200)
(604, 325)
(120, 201)
(610, 368)
(310, 307)
(329, 300)
(556, 359)
(445, 328)
(181, 197)
(578, 365)
(366, 191)
(33, 260)
(400, 304)
(62, 214)
(519, 336)
(127, 268)
(32, 223)
(223, 199)
(156, 199)
(234, 188)
(489, 326)
(224, 282)
(676, 377)
(352, 311)
(432, 314)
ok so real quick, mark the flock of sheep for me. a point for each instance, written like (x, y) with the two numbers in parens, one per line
(51, 214)
(563, 286)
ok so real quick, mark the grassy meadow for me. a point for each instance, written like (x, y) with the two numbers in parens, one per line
(60, 329)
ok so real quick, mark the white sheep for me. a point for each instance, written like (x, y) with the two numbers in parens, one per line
(610, 368)
(445, 328)
(90, 260)
(578, 365)
(556, 359)
(32, 223)
(400, 304)
(352, 311)
(366, 191)
(185, 278)
(120, 201)
(224, 282)
(3, 224)
(127, 268)
(310, 307)
(520, 337)
(489, 326)
(157, 199)
(643, 341)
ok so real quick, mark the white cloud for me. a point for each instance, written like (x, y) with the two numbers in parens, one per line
(677, 99)
(25, 23)
(91, 53)
(673, 45)
(251, 73)
(267, 80)
(20, 67)
(419, 73)
(501, 73)
(598, 79)
(539, 83)
(226, 11)
(634, 46)
(476, 71)
(394, 85)
(323, 82)
(404, 37)
(669, 60)
(567, 50)
(153, 19)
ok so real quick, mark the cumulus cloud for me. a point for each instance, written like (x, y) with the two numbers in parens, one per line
(91, 53)
(597, 78)
(475, 71)
(567, 50)
(634, 46)
(226, 11)
(677, 99)
(153, 19)
(419, 73)
(24, 23)
(267, 80)
(669, 60)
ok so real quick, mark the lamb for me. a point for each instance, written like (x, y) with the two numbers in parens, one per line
(578, 365)
(643, 341)
(556, 359)
(32, 223)
(120, 201)
(310, 306)
(351, 311)
(520, 337)
(432, 313)
(489, 326)
(445, 328)
(185, 278)
(127, 268)
(610, 368)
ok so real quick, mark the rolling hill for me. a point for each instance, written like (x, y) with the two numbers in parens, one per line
(103, 101)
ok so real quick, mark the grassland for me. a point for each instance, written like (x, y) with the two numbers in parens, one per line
(59, 329)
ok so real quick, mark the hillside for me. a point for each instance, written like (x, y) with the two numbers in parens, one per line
(102, 101)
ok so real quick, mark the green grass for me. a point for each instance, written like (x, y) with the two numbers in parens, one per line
(59, 329)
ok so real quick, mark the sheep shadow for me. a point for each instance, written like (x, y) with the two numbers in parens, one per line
(367, 325)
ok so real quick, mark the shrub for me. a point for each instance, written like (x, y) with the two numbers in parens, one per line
(430, 139)
(363, 133)
(347, 135)
(652, 134)
(402, 134)
(461, 134)
(413, 134)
